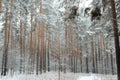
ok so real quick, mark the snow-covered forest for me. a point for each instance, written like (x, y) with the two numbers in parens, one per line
(59, 39)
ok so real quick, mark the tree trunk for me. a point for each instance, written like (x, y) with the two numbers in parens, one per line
(116, 37)
(0, 6)
(93, 62)
(21, 48)
(96, 55)
(5, 50)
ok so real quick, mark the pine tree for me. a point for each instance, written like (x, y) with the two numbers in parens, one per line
(116, 37)
(5, 50)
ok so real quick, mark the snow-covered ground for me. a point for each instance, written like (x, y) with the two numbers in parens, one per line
(63, 76)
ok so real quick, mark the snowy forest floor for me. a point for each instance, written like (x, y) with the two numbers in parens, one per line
(63, 76)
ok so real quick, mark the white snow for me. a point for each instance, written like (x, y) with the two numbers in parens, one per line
(63, 76)
(92, 77)
(1, 26)
(85, 3)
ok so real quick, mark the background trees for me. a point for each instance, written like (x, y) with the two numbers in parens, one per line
(38, 38)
